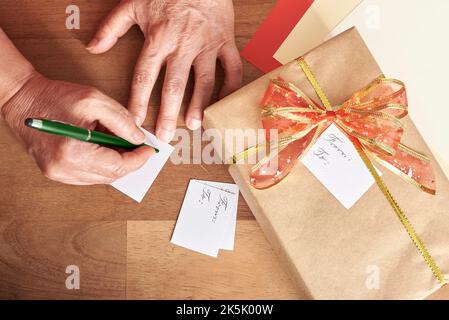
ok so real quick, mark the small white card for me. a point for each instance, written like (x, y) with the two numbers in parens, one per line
(208, 216)
(136, 184)
(335, 162)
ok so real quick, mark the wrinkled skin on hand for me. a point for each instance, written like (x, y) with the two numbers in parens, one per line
(68, 160)
(180, 34)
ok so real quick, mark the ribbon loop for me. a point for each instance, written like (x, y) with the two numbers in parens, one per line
(372, 115)
(371, 120)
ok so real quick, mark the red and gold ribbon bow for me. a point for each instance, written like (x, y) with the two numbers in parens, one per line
(370, 118)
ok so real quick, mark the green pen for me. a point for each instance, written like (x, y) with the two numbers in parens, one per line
(67, 130)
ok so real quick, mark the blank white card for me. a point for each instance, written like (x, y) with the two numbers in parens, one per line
(136, 184)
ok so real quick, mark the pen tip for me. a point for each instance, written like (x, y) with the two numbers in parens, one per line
(29, 122)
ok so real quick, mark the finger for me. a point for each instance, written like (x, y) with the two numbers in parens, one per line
(175, 83)
(232, 65)
(145, 74)
(75, 175)
(204, 87)
(135, 159)
(116, 119)
(114, 165)
(66, 163)
(114, 26)
(81, 178)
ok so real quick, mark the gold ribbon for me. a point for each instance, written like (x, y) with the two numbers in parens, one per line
(380, 183)
(311, 121)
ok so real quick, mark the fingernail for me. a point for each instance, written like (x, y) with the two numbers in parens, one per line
(139, 136)
(165, 135)
(193, 124)
(92, 43)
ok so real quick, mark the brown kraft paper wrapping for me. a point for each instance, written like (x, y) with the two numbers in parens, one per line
(332, 252)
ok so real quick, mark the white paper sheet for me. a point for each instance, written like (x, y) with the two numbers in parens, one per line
(136, 184)
(335, 162)
(207, 219)
(408, 38)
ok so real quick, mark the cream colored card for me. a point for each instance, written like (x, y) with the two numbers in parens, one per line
(408, 38)
(315, 25)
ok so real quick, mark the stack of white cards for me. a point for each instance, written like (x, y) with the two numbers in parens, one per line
(208, 216)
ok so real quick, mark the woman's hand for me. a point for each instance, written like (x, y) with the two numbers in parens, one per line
(179, 33)
(68, 160)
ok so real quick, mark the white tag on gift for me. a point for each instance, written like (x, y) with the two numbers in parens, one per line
(335, 162)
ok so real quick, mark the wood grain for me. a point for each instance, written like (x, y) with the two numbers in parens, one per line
(122, 248)
(34, 256)
(160, 270)
(46, 226)
(38, 29)
(25, 186)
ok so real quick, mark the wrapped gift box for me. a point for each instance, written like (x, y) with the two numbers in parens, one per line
(332, 252)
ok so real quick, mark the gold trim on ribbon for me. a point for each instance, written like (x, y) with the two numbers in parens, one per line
(378, 108)
(309, 74)
(380, 183)
(402, 217)
(289, 86)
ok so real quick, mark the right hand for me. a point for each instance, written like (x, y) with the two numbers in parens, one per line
(179, 34)
(68, 160)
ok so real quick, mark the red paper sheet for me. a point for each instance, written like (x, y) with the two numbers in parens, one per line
(272, 33)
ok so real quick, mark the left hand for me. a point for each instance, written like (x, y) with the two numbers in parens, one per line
(179, 33)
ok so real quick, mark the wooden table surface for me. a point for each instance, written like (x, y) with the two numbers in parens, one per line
(122, 248)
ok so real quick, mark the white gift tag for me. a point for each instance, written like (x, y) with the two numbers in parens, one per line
(207, 219)
(335, 162)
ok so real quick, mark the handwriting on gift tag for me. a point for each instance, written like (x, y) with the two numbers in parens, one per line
(334, 147)
(209, 193)
(205, 196)
(335, 162)
(222, 204)
(207, 219)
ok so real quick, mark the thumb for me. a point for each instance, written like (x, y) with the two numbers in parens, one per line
(114, 26)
